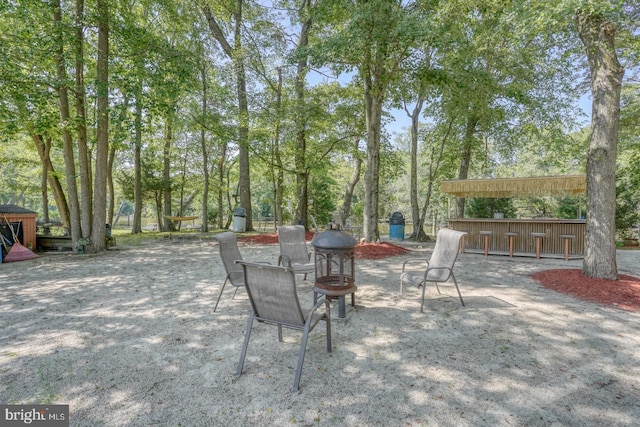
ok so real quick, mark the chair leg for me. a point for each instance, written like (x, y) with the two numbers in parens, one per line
(328, 321)
(243, 354)
(437, 287)
(220, 294)
(401, 277)
(455, 282)
(303, 349)
(234, 293)
(422, 303)
(280, 333)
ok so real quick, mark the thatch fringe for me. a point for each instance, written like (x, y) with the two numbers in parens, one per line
(569, 185)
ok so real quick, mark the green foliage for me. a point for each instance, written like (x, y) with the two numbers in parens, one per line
(321, 189)
(510, 66)
(628, 195)
(486, 208)
(628, 175)
(569, 207)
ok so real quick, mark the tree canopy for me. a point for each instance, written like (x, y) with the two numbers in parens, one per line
(281, 107)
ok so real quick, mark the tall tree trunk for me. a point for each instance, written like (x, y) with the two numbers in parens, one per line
(598, 37)
(166, 173)
(302, 171)
(278, 181)
(112, 216)
(244, 179)
(221, 184)
(203, 147)
(84, 167)
(65, 120)
(235, 54)
(45, 192)
(345, 209)
(110, 188)
(373, 99)
(418, 232)
(43, 146)
(158, 199)
(183, 174)
(98, 225)
(465, 159)
(437, 153)
(137, 161)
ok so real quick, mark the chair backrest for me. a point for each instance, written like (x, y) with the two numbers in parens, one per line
(315, 224)
(445, 253)
(272, 292)
(336, 218)
(291, 239)
(229, 254)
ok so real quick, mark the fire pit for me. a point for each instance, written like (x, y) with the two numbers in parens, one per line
(335, 266)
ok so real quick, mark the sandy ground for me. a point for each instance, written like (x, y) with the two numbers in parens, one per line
(129, 338)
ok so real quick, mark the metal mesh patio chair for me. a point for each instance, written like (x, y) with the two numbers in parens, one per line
(439, 267)
(229, 254)
(274, 301)
(293, 250)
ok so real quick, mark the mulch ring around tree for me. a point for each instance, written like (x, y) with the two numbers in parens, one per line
(362, 250)
(623, 293)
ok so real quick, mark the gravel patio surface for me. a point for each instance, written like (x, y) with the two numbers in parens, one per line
(128, 337)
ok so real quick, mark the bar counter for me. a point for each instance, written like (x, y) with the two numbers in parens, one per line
(524, 244)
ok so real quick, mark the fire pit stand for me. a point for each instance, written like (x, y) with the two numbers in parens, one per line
(335, 267)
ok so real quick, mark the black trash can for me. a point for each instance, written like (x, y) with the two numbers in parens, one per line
(239, 220)
(396, 226)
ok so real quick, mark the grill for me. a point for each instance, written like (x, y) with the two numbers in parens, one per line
(335, 266)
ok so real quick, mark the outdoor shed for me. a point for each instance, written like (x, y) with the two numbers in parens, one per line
(26, 232)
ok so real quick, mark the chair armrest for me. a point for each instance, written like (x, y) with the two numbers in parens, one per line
(257, 262)
(327, 308)
(426, 272)
(413, 260)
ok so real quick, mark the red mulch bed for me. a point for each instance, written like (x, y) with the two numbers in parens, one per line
(363, 250)
(379, 250)
(623, 293)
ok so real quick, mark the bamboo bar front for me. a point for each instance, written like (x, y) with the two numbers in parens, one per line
(524, 243)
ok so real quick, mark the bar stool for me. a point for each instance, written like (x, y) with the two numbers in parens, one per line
(462, 239)
(565, 239)
(487, 234)
(511, 235)
(538, 237)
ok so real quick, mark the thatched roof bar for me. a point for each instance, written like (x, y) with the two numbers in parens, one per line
(569, 185)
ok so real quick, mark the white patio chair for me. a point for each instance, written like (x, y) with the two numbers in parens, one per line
(229, 254)
(293, 250)
(439, 267)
